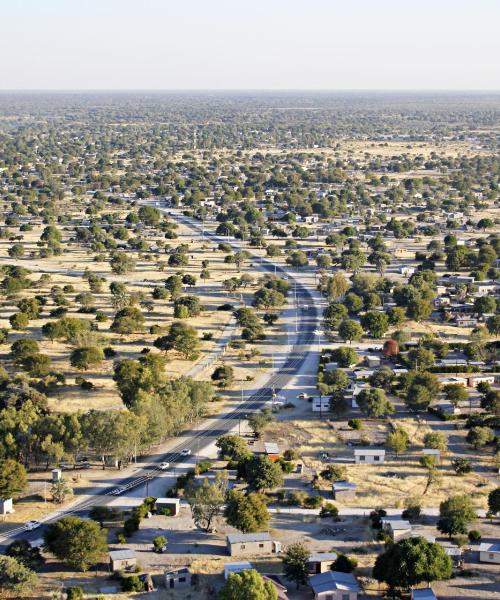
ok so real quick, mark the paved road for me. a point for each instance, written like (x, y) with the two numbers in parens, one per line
(198, 439)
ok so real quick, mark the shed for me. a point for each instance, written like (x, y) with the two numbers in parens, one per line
(489, 553)
(372, 360)
(168, 506)
(236, 567)
(122, 560)
(272, 450)
(333, 585)
(343, 490)
(398, 529)
(369, 455)
(56, 475)
(6, 506)
(251, 544)
(320, 562)
(178, 578)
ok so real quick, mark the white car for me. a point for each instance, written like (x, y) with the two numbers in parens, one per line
(118, 491)
(30, 525)
(303, 396)
(186, 452)
(164, 466)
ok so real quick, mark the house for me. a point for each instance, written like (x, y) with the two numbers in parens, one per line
(236, 567)
(369, 455)
(272, 450)
(251, 544)
(434, 452)
(453, 381)
(489, 553)
(6, 506)
(407, 271)
(398, 529)
(178, 578)
(333, 585)
(343, 490)
(372, 360)
(477, 379)
(320, 562)
(122, 560)
(447, 408)
(320, 404)
(423, 594)
(280, 589)
(168, 506)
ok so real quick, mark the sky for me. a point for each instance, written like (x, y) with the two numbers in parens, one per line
(250, 44)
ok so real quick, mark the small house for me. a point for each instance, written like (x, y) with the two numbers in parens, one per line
(6, 506)
(489, 553)
(372, 360)
(477, 379)
(343, 490)
(320, 562)
(320, 404)
(369, 455)
(122, 560)
(433, 452)
(178, 578)
(56, 475)
(398, 529)
(423, 594)
(272, 450)
(333, 585)
(246, 544)
(236, 567)
(168, 506)
(280, 589)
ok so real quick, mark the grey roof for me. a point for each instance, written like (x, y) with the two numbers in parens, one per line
(271, 448)
(488, 547)
(239, 538)
(396, 523)
(168, 501)
(374, 451)
(343, 485)
(322, 556)
(423, 594)
(333, 580)
(121, 554)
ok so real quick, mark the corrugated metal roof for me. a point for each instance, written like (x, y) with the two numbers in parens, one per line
(240, 538)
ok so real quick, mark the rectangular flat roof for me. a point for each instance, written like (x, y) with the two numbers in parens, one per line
(373, 451)
(121, 554)
(241, 538)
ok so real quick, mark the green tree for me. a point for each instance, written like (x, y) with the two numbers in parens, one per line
(19, 321)
(13, 478)
(455, 393)
(377, 323)
(410, 562)
(398, 440)
(60, 490)
(86, 357)
(79, 543)
(350, 330)
(223, 376)
(455, 515)
(436, 440)
(494, 501)
(128, 320)
(232, 447)
(15, 578)
(480, 436)
(206, 500)
(345, 356)
(374, 403)
(260, 472)
(247, 585)
(295, 563)
(247, 513)
(25, 554)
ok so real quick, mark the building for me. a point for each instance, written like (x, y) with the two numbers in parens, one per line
(237, 567)
(6, 506)
(398, 529)
(333, 585)
(246, 544)
(178, 578)
(343, 490)
(321, 562)
(369, 455)
(168, 506)
(434, 452)
(372, 360)
(56, 475)
(122, 560)
(477, 379)
(320, 404)
(489, 553)
(272, 450)
(423, 594)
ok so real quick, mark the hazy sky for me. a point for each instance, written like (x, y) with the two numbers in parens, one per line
(250, 44)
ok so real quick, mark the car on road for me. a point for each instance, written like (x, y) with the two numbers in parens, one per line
(303, 396)
(117, 491)
(30, 525)
(186, 452)
(164, 466)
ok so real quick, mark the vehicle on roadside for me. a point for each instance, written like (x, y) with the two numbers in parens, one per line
(117, 491)
(30, 525)
(164, 466)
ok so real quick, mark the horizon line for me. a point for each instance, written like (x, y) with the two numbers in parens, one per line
(260, 90)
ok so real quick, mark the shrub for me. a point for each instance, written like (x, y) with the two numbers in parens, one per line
(329, 510)
(355, 424)
(131, 584)
(474, 536)
(74, 593)
(121, 538)
(313, 501)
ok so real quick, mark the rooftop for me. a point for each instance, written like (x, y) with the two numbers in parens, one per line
(239, 538)
(121, 554)
(423, 594)
(334, 580)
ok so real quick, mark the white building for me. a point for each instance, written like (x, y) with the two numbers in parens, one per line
(489, 553)
(369, 455)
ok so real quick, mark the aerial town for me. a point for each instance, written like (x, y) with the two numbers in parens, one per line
(250, 348)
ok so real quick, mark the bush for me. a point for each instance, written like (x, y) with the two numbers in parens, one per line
(109, 352)
(329, 510)
(74, 593)
(474, 536)
(344, 564)
(313, 501)
(203, 466)
(121, 538)
(355, 424)
(131, 584)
